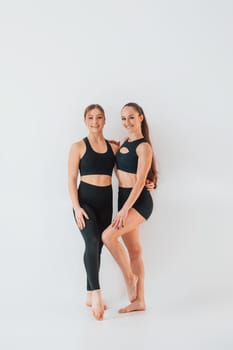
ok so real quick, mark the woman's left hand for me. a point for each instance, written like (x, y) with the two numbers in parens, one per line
(117, 143)
(150, 185)
(120, 219)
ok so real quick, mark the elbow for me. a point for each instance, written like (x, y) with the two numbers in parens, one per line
(140, 183)
(72, 181)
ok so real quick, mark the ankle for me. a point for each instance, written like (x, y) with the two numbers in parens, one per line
(96, 292)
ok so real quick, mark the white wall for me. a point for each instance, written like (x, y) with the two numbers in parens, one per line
(172, 57)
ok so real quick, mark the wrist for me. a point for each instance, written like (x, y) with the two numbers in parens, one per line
(126, 208)
(76, 208)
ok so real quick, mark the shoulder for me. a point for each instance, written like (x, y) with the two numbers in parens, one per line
(115, 145)
(144, 148)
(77, 148)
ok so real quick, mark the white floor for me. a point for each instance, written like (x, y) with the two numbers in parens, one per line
(189, 295)
(71, 327)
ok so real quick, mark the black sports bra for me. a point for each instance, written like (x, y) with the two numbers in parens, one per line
(128, 161)
(94, 163)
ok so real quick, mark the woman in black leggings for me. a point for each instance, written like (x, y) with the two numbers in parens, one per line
(92, 158)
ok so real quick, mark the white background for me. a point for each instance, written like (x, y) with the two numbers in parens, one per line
(175, 59)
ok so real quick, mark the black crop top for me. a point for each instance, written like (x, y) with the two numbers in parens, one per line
(94, 163)
(128, 161)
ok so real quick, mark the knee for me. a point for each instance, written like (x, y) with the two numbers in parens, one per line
(107, 238)
(92, 247)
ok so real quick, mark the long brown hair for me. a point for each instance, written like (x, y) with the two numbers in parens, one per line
(93, 106)
(152, 174)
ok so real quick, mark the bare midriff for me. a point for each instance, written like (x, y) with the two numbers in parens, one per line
(126, 179)
(97, 180)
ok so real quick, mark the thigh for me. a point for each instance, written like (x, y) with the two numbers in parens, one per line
(90, 232)
(99, 200)
(134, 219)
(104, 217)
(131, 239)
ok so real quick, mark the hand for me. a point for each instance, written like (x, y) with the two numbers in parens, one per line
(115, 142)
(120, 219)
(150, 185)
(80, 216)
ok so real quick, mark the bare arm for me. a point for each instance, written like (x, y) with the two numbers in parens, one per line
(144, 162)
(73, 166)
(114, 142)
(115, 147)
(144, 152)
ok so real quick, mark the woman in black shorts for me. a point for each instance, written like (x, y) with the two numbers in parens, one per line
(135, 164)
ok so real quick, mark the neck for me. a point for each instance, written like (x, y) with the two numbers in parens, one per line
(96, 137)
(135, 136)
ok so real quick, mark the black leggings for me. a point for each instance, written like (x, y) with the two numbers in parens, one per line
(97, 202)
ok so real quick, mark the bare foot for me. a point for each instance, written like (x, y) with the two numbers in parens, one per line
(90, 305)
(135, 306)
(132, 288)
(89, 300)
(97, 305)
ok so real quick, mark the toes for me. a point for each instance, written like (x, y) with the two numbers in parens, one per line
(123, 310)
(98, 313)
(98, 316)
